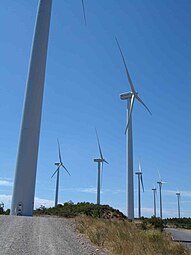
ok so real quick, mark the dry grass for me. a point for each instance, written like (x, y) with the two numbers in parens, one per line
(125, 238)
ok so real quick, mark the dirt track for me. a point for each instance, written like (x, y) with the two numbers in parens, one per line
(42, 235)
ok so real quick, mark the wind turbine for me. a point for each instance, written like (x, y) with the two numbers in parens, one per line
(178, 200)
(100, 162)
(160, 183)
(59, 165)
(140, 183)
(130, 97)
(25, 174)
(154, 199)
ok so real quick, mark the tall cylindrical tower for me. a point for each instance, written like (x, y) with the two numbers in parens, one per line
(25, 175)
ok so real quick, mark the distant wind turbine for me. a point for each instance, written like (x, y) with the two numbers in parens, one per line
(178, 200)
(154, 199)
(25, 174)
(140, 183)
(59, 165)
(130, 97)
(160, 183)
(100, 162)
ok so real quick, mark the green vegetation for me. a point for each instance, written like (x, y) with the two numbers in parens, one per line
(153, 222)
(171, 222)
(3, 212)
(179, 223)
(70, 210)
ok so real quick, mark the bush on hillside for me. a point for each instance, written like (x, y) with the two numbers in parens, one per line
(153, 222)
(179, 223)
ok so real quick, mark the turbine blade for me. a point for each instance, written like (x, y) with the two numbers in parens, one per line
(66, 169)
(55, 171)
(101, 155)
(84, 12)
(59, 153)
(159, 176)
(138, 98)
(142, 183)
(127, 72)
(105, 161)
(140, 167)
(130, 112)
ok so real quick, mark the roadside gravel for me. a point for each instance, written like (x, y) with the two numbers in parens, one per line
(43, 236)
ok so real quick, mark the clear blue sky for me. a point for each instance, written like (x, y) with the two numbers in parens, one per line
(84, 78)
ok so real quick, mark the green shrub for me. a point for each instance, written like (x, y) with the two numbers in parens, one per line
(153, 222)
(180, 223)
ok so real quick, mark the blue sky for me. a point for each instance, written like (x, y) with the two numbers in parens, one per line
(84, 78)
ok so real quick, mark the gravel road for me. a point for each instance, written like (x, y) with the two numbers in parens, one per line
(42, 236)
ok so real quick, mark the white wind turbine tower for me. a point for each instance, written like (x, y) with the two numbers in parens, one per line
(25, 174)
(59, 165)
(140, 183)
(160, 183)
(100, 162)
(130, 97)
(178, 200)
(154, 200)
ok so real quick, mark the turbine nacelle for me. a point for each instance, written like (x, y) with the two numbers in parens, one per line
(98, 160)
(57, 164)
(161, 182)
(139, 173)
(126, 96)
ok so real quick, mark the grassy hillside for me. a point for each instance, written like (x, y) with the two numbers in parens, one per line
(110, 229)
(124, 238)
